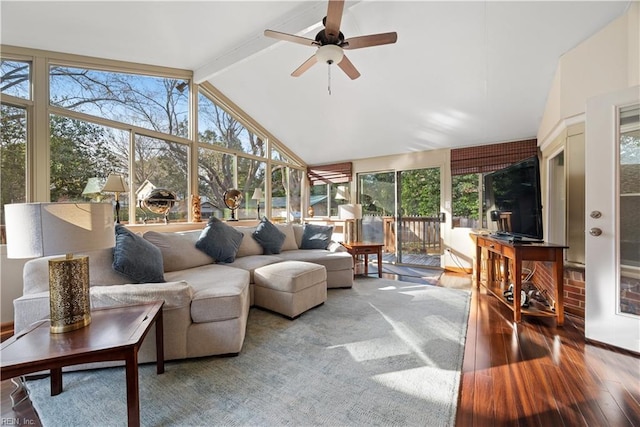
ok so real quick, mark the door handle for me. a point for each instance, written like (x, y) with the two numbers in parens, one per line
(595, 231)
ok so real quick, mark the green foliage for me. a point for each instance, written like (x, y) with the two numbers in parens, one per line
(465, 197)
(79, 151)
(420, 192)
(13, 132)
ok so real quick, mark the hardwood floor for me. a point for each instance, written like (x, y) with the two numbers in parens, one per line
(527, 374)
(536, 374)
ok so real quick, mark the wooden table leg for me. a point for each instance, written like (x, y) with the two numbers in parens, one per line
(159, 343)
(517, 288)
(366, 265)
(133, 396)
(380, 262)
(56, 381)
(355, 264)
(478, 265)
(558, 278)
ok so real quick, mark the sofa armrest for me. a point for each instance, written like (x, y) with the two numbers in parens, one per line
(336, 247)
(174, 294)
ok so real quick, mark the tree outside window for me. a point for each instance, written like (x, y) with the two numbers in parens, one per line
(466, 200)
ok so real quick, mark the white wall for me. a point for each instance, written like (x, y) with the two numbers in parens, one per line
(607, 61)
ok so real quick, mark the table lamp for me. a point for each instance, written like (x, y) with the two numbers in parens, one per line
(350, 213)
(116, 184)
(257, 195)
(43, 229)
(93, 189)
(342, 193)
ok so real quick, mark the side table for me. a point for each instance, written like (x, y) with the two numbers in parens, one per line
(115, 333)
(365, 248)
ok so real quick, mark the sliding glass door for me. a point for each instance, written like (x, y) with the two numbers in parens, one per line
(418, 217)
(402, 210)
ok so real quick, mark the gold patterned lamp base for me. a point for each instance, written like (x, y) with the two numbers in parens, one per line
(70, 303)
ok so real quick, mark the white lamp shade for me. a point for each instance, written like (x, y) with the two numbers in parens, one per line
(350, 211)
(93, 187)
(342, 193)
(115, 184)
(42, 229)
(329, 53)
(257, 194)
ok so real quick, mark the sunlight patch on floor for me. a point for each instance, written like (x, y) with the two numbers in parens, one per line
(425, 382)
(379, 348)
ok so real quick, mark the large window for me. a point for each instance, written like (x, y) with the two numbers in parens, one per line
(230, 157)
(15, 86)
(157, 103)
(16, 78)
(161, 164)
(465, 194)
(135, 121)
(81, 150)
(13, 131)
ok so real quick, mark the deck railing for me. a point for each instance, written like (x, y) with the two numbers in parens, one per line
(417, 234)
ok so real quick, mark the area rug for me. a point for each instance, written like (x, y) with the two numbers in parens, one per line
(384, 353)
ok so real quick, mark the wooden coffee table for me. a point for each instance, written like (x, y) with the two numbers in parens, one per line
(115, 333)
(365, 248)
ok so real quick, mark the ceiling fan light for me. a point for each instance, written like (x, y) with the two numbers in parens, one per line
(330, 54)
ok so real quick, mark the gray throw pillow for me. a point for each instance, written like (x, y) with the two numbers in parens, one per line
(270, 238)
(139, 260)
(220, 241)
(316, 236)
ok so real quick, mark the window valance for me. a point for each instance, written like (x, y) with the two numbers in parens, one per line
(330, 174)
(489, 158)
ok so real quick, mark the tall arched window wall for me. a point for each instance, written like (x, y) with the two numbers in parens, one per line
(150, 124)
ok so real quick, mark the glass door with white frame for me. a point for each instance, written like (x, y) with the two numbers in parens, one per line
(612, 202)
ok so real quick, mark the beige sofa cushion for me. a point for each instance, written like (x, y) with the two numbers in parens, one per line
(218, 291)
(179, 250)
(248, 246)
(291, 276)
(290, 239)
(333, 261)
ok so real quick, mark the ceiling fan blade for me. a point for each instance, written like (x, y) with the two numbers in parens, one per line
(305, 66)
(334, 17)
(348, 68)
(370, 40)
(290, 38)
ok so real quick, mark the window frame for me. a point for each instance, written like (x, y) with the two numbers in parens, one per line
(39, 111)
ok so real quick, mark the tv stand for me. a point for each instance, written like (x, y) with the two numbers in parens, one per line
(515, 252)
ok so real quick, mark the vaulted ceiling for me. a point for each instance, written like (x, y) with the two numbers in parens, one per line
(460, 74)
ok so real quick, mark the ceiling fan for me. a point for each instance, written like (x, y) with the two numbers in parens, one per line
(331, 42)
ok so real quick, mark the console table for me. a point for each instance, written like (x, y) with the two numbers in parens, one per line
(517, 252)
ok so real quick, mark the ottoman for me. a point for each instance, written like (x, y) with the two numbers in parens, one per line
(290, 287)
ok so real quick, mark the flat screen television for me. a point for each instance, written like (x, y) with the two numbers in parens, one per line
(513, 202)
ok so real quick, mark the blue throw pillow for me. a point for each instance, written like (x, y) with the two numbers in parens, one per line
(220, 241)
(136, 258)
(270, 238)
(316, 236)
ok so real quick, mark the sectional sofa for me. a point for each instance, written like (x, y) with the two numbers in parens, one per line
(206, 301)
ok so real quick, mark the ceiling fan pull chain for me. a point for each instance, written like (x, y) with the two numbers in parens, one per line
(329, 77)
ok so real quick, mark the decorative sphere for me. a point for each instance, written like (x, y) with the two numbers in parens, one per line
(160, 201)
(232, 198)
